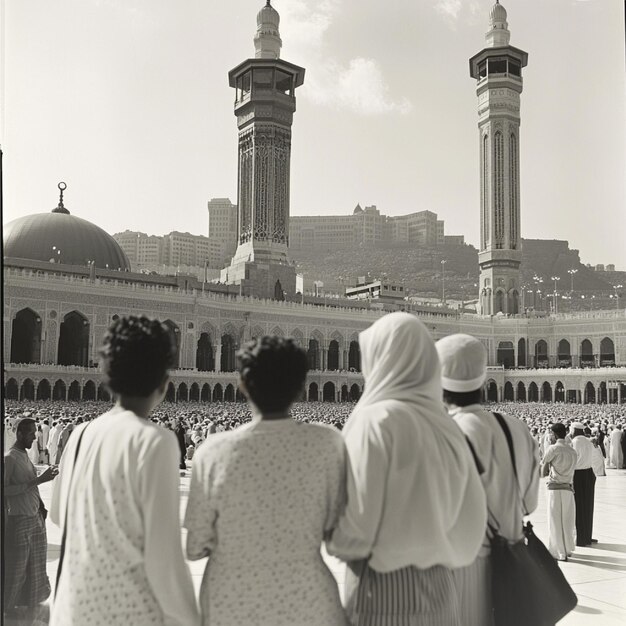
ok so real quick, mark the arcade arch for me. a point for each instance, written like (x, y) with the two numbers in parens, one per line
(328, 392)
(74, 340)
(607, 353)
(26, 337)
(204, 354)
(44, 391)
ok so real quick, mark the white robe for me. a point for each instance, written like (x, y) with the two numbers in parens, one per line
(597, 462)
(615, 454)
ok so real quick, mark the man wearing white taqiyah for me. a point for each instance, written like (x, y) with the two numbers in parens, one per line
(464, 370)
(559, 463)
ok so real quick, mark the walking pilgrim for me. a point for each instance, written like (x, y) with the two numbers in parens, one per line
(584, 485)
(559, 463)
(464, 370)
(416, 508)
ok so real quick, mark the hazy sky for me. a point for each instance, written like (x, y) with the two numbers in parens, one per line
(128, 102)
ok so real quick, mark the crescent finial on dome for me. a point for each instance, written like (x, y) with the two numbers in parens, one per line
(60, 208)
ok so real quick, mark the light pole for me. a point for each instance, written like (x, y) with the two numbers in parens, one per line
(56, 251)
(555, 307)
(443, 281)
(538, 280)
(571, 283)
(616, 287)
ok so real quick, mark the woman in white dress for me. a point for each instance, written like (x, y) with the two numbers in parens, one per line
(416, 507)
(261, 499)
(117, 498)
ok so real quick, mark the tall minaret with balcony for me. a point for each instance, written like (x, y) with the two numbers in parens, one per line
(498, 71)
(264, 105)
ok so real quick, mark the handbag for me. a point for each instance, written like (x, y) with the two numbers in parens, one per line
(528, 587)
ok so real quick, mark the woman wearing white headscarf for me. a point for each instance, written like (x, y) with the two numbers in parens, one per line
(416, 507)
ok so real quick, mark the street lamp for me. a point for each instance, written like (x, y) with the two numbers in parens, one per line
(443, 281)
(571, 276)
(56, 255)
(538, 280)
(616, 287)
(554, 302)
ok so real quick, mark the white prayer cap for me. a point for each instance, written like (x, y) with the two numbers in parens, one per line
(578, 425)
(463, 363)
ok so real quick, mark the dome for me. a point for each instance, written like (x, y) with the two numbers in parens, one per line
(497, 13)
(268, 15)
(41, 236)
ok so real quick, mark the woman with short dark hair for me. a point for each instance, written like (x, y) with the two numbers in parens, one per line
(262, 498)
(117, 497)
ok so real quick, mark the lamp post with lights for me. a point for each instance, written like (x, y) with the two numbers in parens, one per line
(555, 306)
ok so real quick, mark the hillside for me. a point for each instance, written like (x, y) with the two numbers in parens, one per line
(419, 269)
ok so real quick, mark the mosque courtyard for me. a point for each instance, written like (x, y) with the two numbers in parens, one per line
(597, 574)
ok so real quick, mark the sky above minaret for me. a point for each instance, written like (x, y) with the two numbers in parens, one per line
(128, 102)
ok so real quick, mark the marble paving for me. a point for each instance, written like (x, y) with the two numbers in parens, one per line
(597, 574)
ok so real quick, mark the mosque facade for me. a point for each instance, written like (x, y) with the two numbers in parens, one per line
(60, 296)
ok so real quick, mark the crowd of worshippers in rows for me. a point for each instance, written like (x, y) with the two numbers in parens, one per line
(402, 490)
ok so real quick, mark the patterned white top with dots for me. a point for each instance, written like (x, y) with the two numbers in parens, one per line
(123, 561)
(261, 499)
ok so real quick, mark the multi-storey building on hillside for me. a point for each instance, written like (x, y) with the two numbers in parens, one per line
(365, 227)
(173, 249)
(222, 230)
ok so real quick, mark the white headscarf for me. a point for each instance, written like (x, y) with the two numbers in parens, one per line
(414, 495)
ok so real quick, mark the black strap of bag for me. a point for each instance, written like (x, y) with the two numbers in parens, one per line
(67, 506)
(509, 440)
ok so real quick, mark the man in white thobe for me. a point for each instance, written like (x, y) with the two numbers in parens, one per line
(616, 459)
(559, 463)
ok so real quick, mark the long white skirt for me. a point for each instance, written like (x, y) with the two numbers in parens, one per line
(561, 522)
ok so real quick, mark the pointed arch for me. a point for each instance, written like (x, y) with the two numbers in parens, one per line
(59, 391)
(546, 392)
(564, 353)
(607, 352)
(313, 392)
(73, 392)
(27, 391)
(521, 392)
(89, 390)
(229, 348)
(26, 337)
(257, 332)
(170, 394)
(354, 356)
(355, 392)
(333, 356)
(229, 393)
(492, 391)
(313, 354)
(541, 353)
(12, 390)
(328, 392)
(277, 331)
(586, 354)
(182, 394)
(74, 340)
(204, 354)
(194, 392)
(506, 354)
(218, 393)
(44, 391)
(103, 393)
(559, 392)
(205, 394)
(590, 393)
(533, 392)
(508, 392)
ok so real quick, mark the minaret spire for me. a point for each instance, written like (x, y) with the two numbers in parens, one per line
(498, 73)
(267, 42)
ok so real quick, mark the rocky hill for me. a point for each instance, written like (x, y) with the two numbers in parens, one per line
(420, 269)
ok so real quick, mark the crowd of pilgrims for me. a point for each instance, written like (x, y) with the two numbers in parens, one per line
(193, 422)
(398, 486)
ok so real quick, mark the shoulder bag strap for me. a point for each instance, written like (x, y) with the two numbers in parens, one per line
(509, 440)
(67, 506)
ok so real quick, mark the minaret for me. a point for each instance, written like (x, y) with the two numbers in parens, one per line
(498, 70)
(264, 105)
